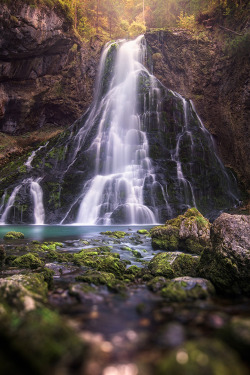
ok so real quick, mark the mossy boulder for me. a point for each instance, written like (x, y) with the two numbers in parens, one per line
(189, 232)
(23, 292)
(28, 261)
(41, 342)
(97, 278)
(13, 236)
(172, 265)
(204, 356)
(186, 288)
(160, 265)
(101, 262)
(227, 263)
(157, 283)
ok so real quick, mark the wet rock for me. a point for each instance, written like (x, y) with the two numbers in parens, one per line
(187, 288)
(189, 232)
(210, 357)
(227, 263)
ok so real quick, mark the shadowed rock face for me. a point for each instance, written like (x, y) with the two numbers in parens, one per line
(46, 76)
(227, 263)
(218, 86)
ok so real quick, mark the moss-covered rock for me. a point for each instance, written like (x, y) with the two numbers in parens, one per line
(160, 265)
(185, 265)
(210, 357)
(187, 288)
(143, 231)
(39, 341)
(172, 265)
(28, 261)
(116, 234)
(157, 283)
(13, 236)
(23, 292)
(98, 278)
(189, 232)
(227, 263)
(101, 262)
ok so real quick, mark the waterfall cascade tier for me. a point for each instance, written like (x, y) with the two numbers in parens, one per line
(139, 155)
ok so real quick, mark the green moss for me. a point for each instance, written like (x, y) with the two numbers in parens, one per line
(27, 261)
(100, 262)
(160, 265)
(143, 231)
(136, 253)
(184, 289)
(116, 234)
(36, 283)
(194, 246)
(172, 235)
(157, 283)
(98, 278)
(59, 257)
(48, 277)
(13, 236)
(222, 271)
(185, 265)
(166, 238)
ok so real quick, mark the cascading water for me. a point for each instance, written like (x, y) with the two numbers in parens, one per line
(37, 195)
(140, 154)
(122, 158)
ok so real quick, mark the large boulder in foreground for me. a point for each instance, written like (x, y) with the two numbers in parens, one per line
(227, 263)
(189, 232)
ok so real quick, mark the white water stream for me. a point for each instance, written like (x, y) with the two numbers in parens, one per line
(122, 160)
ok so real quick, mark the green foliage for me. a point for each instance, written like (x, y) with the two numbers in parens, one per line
(186, 22)
(238, 46)
(136, 28)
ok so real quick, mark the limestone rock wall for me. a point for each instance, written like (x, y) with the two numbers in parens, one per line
(46, 74)
(218, 85)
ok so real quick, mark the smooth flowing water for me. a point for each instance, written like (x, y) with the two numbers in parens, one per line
(122, 152)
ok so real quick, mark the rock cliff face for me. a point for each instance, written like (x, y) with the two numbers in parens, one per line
(218, 85)
(46, 74)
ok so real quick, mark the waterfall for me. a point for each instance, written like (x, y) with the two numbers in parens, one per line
(31, 157)
(37, 194)
(139, 155)
(37, 197)
(10, 204)
(122, 160)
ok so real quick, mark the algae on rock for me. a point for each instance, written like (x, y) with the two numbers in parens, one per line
(189, 232)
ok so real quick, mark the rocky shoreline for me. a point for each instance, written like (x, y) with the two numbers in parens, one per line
(170, 300)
